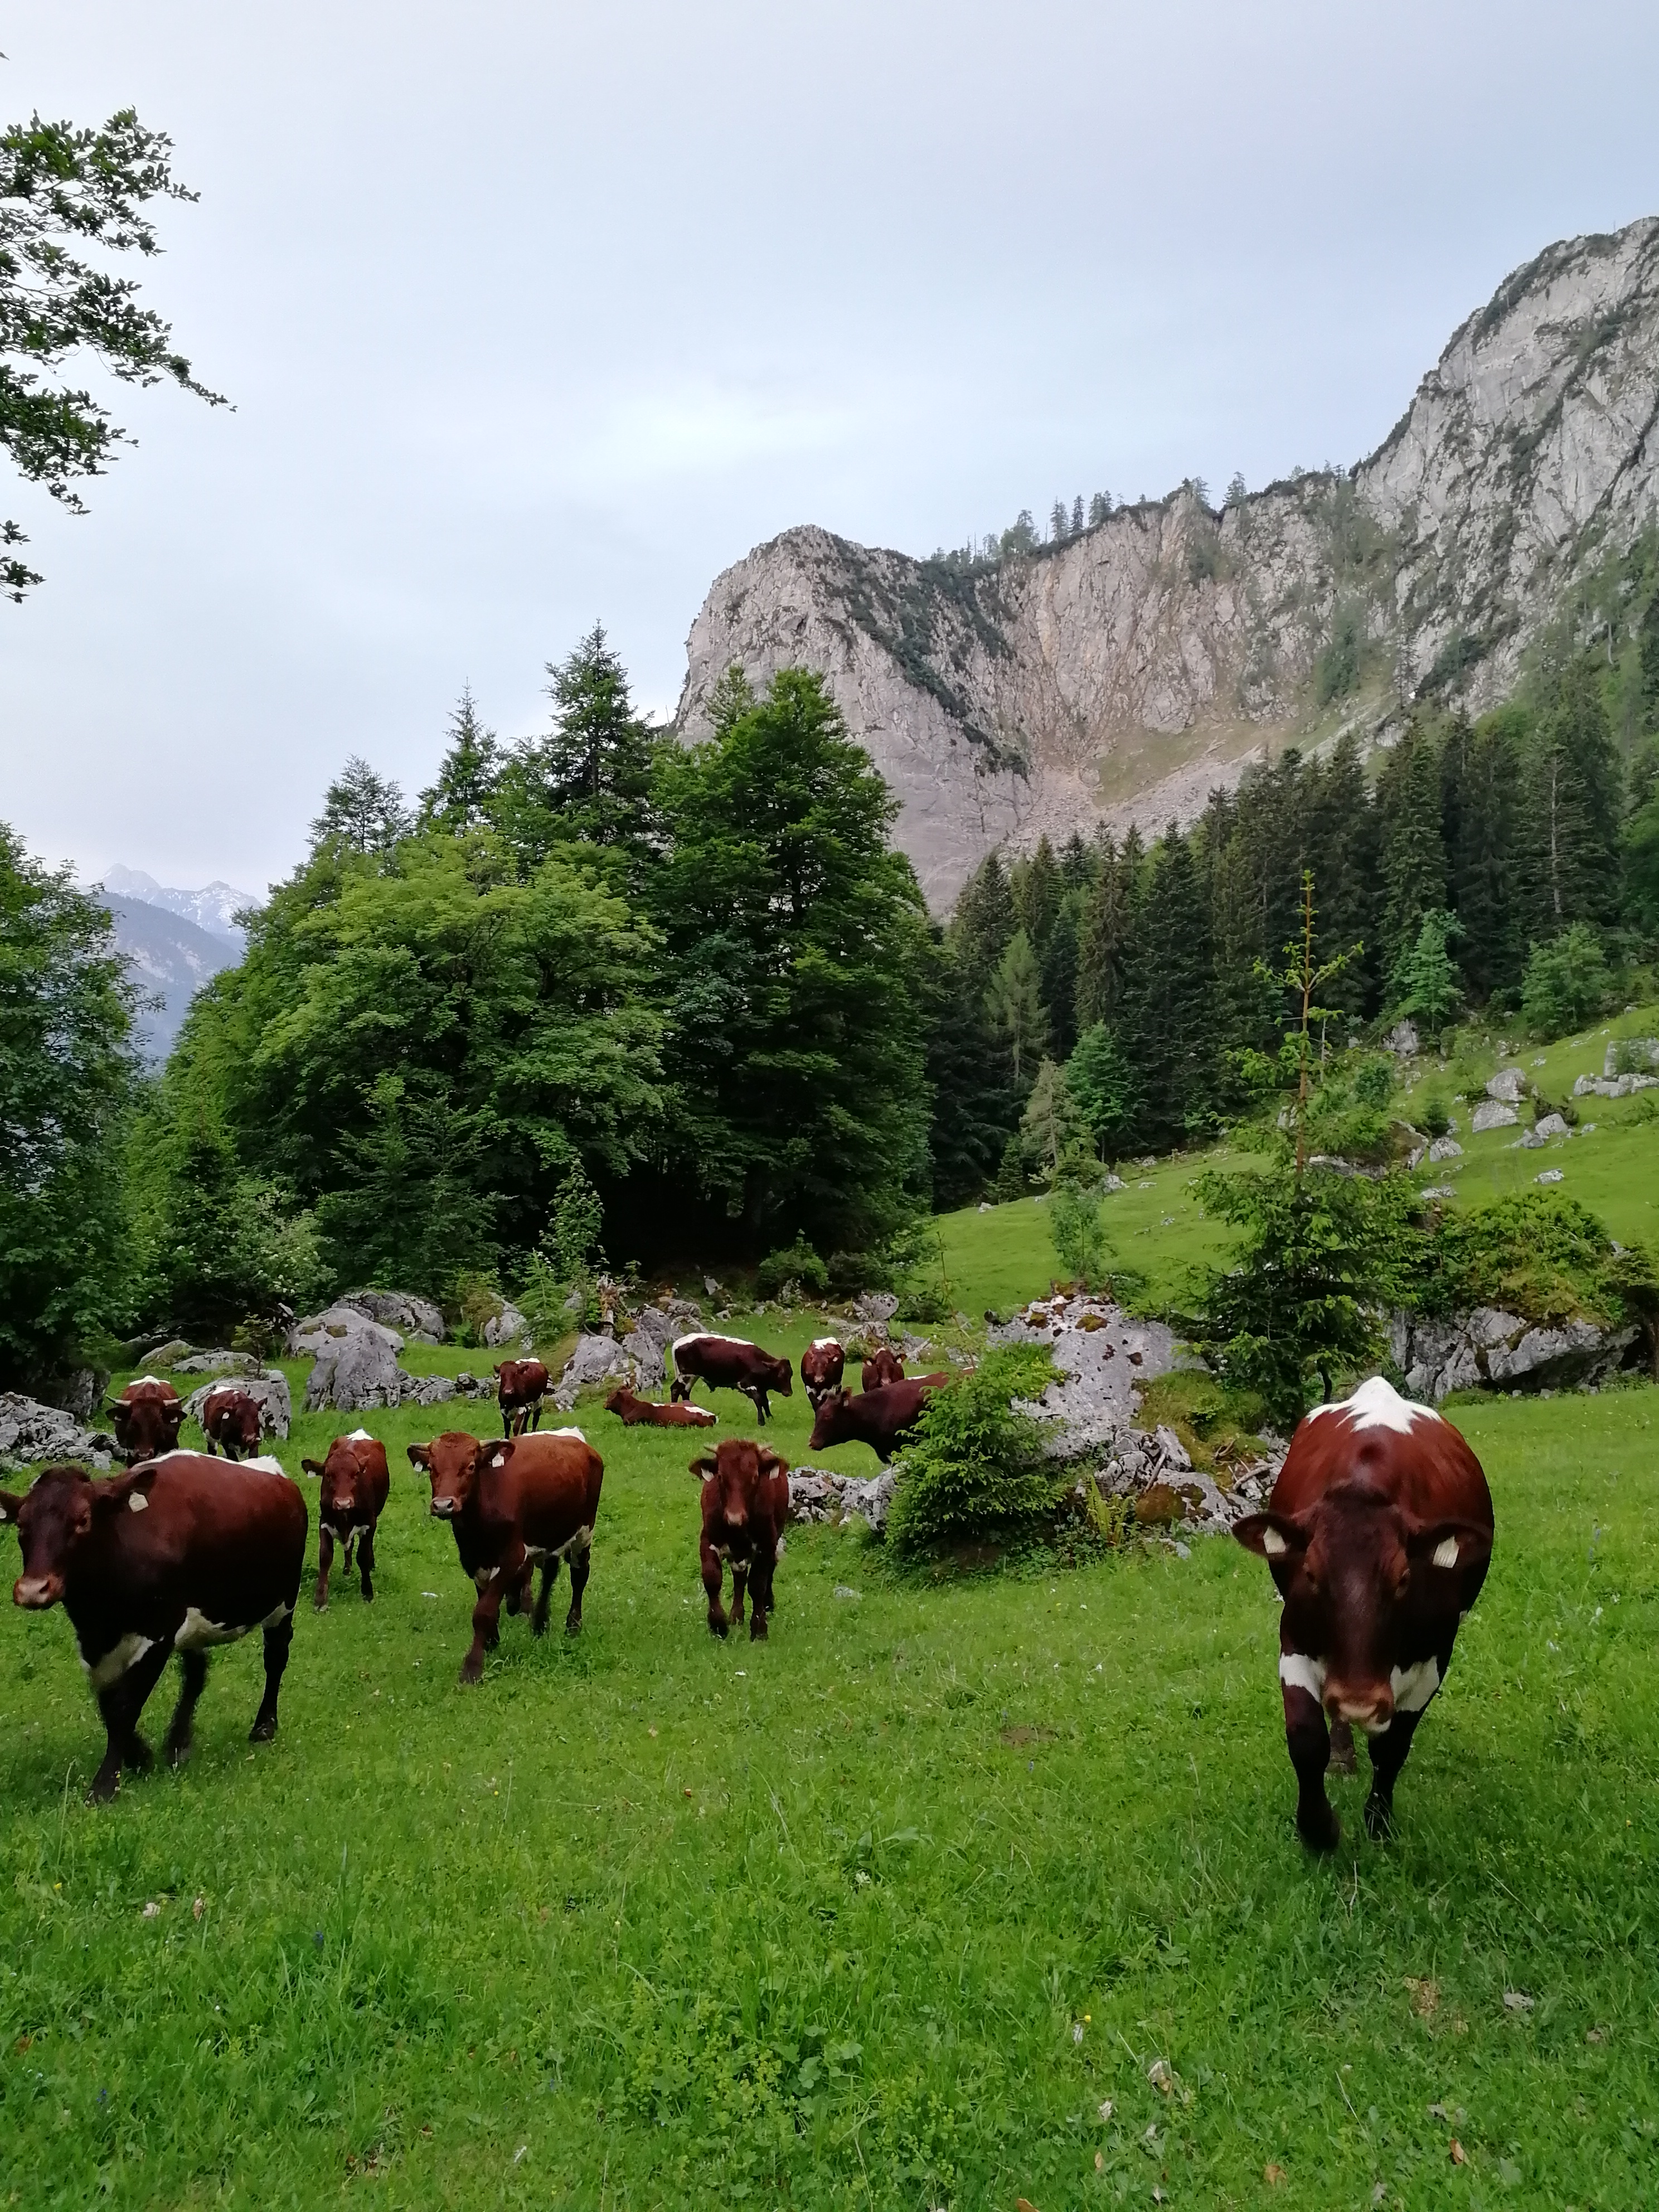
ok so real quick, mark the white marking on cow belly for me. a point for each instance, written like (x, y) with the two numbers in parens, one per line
(1414, 1687)
(581, 1541)
(197, 1632)
(1297, 1671)
(116, 1661)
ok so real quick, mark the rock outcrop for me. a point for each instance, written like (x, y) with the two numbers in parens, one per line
(1492, 1350)
(417, 1318)
(1125, 672)
(31, 1434)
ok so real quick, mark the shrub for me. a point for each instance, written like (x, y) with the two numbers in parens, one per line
(1079, 1236)
(853, 1271)
(1566, 982)
(571, 1241)
(1010, 1175)
(473, 1301)
(976, 1468)
(796, 1263)
(1539, 1254)
(1435, 1115)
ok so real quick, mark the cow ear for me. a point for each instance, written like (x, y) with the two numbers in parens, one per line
(311, 1466)
(1454, 1544)
(1271, 1536)
(419, 1456)
(11, 1507)
(129, 1491)
(771, 1463)
(703, 1467)
(496, 1454)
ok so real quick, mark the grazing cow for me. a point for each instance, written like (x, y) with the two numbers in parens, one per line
(883, 1366)
(822, 1365)
(171, 1556)
(146, 1415)
(525, 1503)
(882, 1419)
(746, 1506)
(230, 1419)
(730, 1362)
(1379, 1534)
(632, 1411)
(355, 1480)
(520, 1386)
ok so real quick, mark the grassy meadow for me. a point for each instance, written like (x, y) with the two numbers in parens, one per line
(901, 1908)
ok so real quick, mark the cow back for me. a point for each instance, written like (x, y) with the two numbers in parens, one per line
(227, 1544)
(1409, 1455)
(547, 1487)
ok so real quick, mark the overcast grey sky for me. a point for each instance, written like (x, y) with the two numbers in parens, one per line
(533, 313)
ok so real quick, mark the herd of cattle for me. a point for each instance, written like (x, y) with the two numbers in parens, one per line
(1378, 1535)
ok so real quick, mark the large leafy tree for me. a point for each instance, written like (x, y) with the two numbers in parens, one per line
(63, 189)
(795, 936)
(67, 1075)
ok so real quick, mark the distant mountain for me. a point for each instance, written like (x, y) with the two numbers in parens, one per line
(1124, 671)
(211, 909)
(168, 958)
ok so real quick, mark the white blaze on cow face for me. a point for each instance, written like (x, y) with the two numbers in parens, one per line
(1377, 1404)
(116, 1661)
(826, 1344)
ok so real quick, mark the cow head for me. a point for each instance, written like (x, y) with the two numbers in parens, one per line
(622, 1401)
(735, 1469)
(146, 1416)
(235, 1419)
(456, 1463)
(345, 1488)
(55, 1519)
(780, 1378)
(830, 1427)
(1362, 1578)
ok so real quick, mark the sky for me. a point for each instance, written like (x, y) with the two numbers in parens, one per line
(532, 315)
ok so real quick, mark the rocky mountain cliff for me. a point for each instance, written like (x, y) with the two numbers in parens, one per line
(1126, 671)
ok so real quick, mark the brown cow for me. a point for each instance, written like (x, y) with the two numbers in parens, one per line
(882, 1367)
(171, 1556)
(822, 1365)
(632, 1411)
(230, 1418)
(882, 1419)
(148, 1416)
(516, 1505)
(520, 1384)
(730, 1362)
(746, 1506)
(1378, 1534)
(355, 1481)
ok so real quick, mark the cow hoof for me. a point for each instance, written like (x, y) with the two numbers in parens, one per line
(320, 1605)
(138, 1756)
(178, 1755)
(1342, 1757)
(1379, 1818)
(572, 1625)
(103, 1788)
(717, 1627)
(263, 1731)
(1325, 1838)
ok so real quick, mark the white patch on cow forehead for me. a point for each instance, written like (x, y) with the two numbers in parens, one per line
(360, 1436)
(1445, 1552)
(1298, 1672)
(116, 1662)
(1377, 1404)
(1414, 1685)
(1273, 1543)
(826, 1344)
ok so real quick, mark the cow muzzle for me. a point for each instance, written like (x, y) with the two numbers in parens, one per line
(443, 1508)
(1370, 1710)
(34, 1593)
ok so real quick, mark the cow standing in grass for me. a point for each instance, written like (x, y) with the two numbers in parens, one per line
(230, 1419)
(148, 1416)
(745, 1507)
(1378, 1535)
(355, 1484)
(883, 1418)
(523, 1503)
(520, 1386)
(822, 1365)
(172, 1556)
(730, 1362)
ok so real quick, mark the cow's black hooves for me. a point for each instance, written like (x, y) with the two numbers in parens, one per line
(138, 1758)
(1379, 1820)
(1322, 1840)
(178, 1755)
(262, 1732)
(101, 1791)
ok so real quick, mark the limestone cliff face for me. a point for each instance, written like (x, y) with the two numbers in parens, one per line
(1126, 673)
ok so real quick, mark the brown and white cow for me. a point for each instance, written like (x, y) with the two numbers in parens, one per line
(523, 1503)
(730, 1362)
(1378, 1535)
(883, 1418)
(882, 1367)
(633, 1412)
(745, 1506)
(230, 1419)
(148, 1416)
(521, 1385)
(355, 1482)
(171, 1556)
(822, 1366)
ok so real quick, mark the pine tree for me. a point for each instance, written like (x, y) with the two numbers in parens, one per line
(1038, 889)
(1102, 1083)
(463, 794)
(590, 776)
(1412, 856)
(1482, 779)
(1057, 523)
(1102, 937)
(1057, 1139)
(1571, 799)
(363, 811)
(1014, 1002)
(1100, 507)
(1076, 863)
(1077, 516)
(1168, 1026)
(1060, 962)
(984, 922)
(1340, 842)
(975, 1109)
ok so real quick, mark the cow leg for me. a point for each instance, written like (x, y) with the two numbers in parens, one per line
(1309, 1742)
(278, 1640)
(120, 1706)
(1342, 1757)
(740, 1584)
(581, 1565)
(761, 1614)
(324, 1561)
(536, 1421)
(545, 1598)
(1388, 1753)
(180, 1727)
(486, 1621)
(713, 1572)
(366, 1564)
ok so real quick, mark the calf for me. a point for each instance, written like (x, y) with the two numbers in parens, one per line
(520, 1386)
(730, 1362)
(746, 1506)
(230, 1419)
(169, 1557)
(516, 1505)
(884, 1366)
(632, 1411)
(1378, 1535)
(822, 1365)
(355, 1482)
(146, 1415)
(883, 1418)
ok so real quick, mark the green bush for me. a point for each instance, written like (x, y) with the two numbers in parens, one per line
(1566, 983)
(1539, 1254)
(1079, 1236)
(976, 1468)
(796, 1263)
(1435, 1115)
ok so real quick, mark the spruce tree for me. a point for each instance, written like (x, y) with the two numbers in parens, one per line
(1168, 1026)
(1482, 778)
(463, 794)
(976, 1107)
(590, 777)
(1059, 969)
(1102, 936)
(1037, 888)
(1412, 854)
(362, 812)
(1100, 507)
(983, 923)
(1057, 1139)
(1014, 1002)
(1057, 523)
(1571, 800)
(1077, 516)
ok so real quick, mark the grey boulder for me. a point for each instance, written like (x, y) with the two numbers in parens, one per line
(420, 1321)
(596, 1359)
(654, 1331)
(332, 1326)
(1445, 1148)
(216, 1363)
(31, 1432)
(1493, 1114)
(1509, 1084)
(355, 1371)
(816, 1494)
(1551, 1124)
(1491, 1349)
(505, 1328)
(424, 1390)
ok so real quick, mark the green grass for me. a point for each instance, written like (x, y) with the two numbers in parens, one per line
(816, 1922)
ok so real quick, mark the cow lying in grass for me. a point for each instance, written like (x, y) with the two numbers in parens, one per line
(523, 1503)
(746, 1506)
(635, 1413)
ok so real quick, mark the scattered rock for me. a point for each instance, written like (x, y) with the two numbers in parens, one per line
(1401, 1039)
(1630, 1048)
(654, 1331)
(1445, 1148)
(82, 1394)
(1617, 1086)
(31, 1432)
(1509, 1084)
(166, 1354)
(1441, 1190)
(875, 1306)
(1551, 1124)
(268, 1388)
(816, 1494)
(355, 1370)
(424, 1390)
(507, 1326)
(596, 1359)
(421, 1321)
(986, 1206)
(1493, 1114)
(1533, 1141)
(1490, 1349)
(474, 1386)
(1549, 1175)
(711, 1288)
(216, 1362)
(332, 1326)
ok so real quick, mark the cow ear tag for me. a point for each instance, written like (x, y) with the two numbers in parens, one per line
(1273, 1543)
(137, 1501)
(499, 1461)
(1445, 1552)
